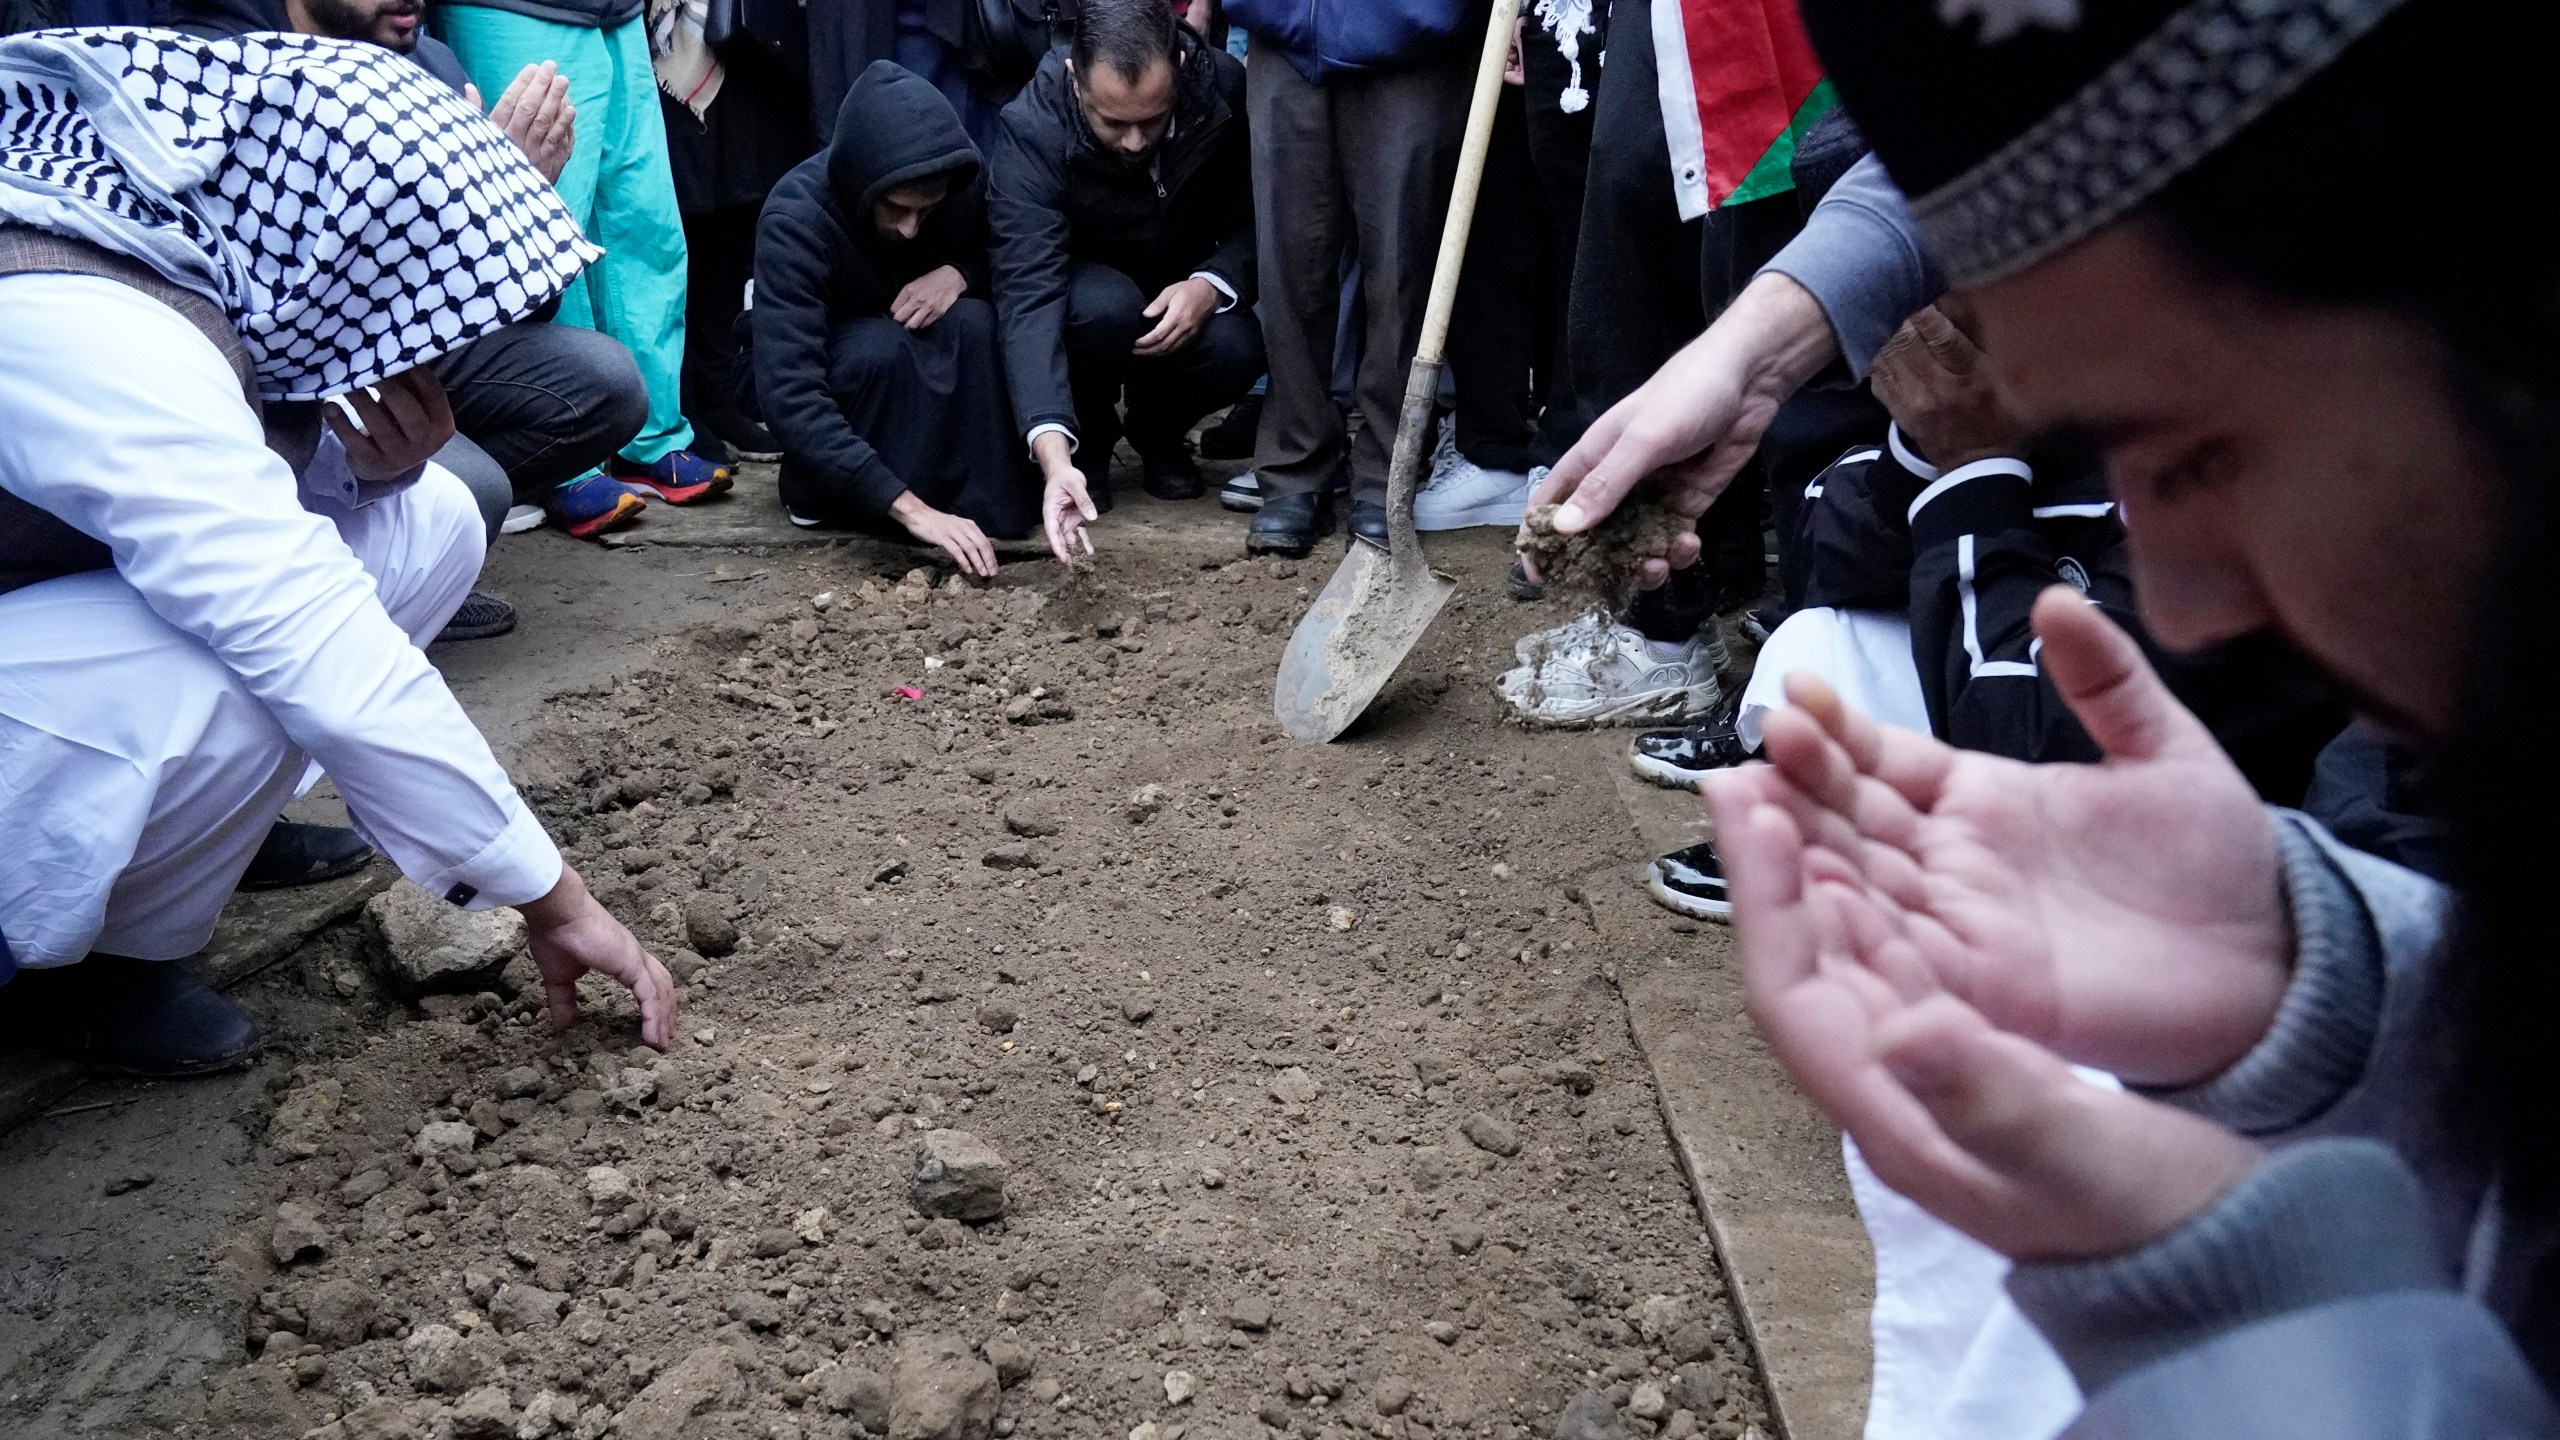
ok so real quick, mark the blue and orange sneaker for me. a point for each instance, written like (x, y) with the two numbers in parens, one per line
(680, 476)
(592, 504)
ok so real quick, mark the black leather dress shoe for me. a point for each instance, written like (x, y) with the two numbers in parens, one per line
(297, 854)
(140, 1017)
(1369, 522)
(1172, 474)
(1289, 524)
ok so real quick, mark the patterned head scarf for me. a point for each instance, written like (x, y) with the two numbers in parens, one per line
(351, 213)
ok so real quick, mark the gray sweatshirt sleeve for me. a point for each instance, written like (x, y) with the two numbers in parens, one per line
(1860, 256)
(2357, 922)
(2308, 1303)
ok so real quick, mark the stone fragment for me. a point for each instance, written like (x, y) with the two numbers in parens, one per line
(1491, 1134)
(1391, 1395)
(1138, 1009)
(1466, 1237)
(1294, 1086)
(755, 1310)
(700, 1381)
(1442, 1331)
(1697, 1387)
(297, 1234)
(364, 1185)
(1589, 1416)
(527, 1307)
(957, 1176)
(1030, 820)
(1012, 1359)
(810, 1226)
(938, 1390)
(1180, 1386)
(301, 1125)
(609, 1189)
(1011, 855)
(484, 1414)
(1250, 1312)
(420, 945)
(439, 1359)
(711, 923)
(1647, 1402)
(1690, 1342)
(379, 1420)
(336, 1314)
(1658, 1317)
(997, 1017)
(862, 1394)
(773, 1243)
(1144, 804)
(439, 1138)
(546, 1412)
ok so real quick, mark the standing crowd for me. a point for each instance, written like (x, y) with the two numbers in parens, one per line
(2098, 603)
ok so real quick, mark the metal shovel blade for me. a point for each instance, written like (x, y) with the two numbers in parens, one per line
(1359, 630)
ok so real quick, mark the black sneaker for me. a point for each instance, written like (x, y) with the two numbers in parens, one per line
(1369, 522)
(1232, 438)
(481, 616)
(140, 1017)
(1681, 759)
(1691, 882)
(1172, 475)
(297, 854)
(1524, 589)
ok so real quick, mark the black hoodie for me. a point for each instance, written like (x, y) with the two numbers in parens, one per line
(1058, 195)
(821, 260)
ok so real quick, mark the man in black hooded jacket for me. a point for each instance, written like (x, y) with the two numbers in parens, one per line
(1122, 204)
(875, 356)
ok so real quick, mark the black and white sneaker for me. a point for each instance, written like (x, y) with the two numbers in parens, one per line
(1691, 882)
(1243, 493)
(1681, 759)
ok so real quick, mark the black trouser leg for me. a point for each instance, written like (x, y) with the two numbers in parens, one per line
(720, 251)
(1169, 394)
(1560, 150)
(1493, 338)
(547, 402)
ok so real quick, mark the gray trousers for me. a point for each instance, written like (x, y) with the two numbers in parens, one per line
(1360, 164)
(535, 404)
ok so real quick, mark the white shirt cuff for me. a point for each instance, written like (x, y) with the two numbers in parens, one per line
(521, 865)
(1050, 427)
(1219, 285)
(1996, 465)
(1903, 456)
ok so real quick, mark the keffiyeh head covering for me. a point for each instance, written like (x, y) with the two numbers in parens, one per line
(352, 214)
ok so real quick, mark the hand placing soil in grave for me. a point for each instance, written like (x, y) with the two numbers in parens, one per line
(1605, 564)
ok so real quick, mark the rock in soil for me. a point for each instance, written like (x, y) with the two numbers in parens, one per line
(1589, 1416)
(939, 1391)
(957, 1176)
(703, 1380)
(420, 945)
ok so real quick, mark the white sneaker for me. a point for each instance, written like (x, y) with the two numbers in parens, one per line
(1243, 493)
(1592, 671)
(1462, 494)
(521, 518)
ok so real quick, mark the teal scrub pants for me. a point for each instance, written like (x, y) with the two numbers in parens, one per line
(617, 187)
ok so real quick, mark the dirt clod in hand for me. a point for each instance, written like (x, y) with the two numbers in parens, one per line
(1605, 563)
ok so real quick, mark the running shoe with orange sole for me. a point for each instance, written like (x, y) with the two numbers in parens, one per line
(592, 504)
(680, 477)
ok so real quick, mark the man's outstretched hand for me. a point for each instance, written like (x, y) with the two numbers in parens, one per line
(571, 935)
(1691, 427)
(1927, 933)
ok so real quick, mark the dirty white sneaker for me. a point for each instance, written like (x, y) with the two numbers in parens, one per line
(1592, 671)
(1462, 494)
(521, 518)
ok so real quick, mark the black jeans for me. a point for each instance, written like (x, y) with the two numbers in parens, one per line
(544, 402)
(1167, 394)
(1502, 338)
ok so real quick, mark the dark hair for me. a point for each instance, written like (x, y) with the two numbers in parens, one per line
(2402, 177)
(1130, 36)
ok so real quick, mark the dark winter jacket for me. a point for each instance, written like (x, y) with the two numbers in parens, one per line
(1325, 37)
(1057, 194)
(821, 261)
(1965, 555)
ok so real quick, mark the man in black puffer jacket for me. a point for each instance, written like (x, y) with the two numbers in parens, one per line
(875, 356)
(1122, 204)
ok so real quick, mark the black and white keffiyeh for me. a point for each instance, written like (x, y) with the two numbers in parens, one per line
(352, 214)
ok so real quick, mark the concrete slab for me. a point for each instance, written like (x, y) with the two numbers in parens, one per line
(1764, 1165)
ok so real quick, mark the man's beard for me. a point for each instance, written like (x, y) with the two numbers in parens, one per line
(340, 20)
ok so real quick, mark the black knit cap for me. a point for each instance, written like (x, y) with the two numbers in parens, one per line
(2019, 126)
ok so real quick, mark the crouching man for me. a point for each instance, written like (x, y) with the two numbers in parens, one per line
(875, 357)
(1122, 204)
(208, 582)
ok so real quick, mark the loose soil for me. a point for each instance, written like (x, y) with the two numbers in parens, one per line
(1311, 1078)
(1600, 568)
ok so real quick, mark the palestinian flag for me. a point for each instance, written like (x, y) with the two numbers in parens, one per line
(1739, 83)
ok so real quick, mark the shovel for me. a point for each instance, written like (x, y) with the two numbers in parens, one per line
(1380, 601)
